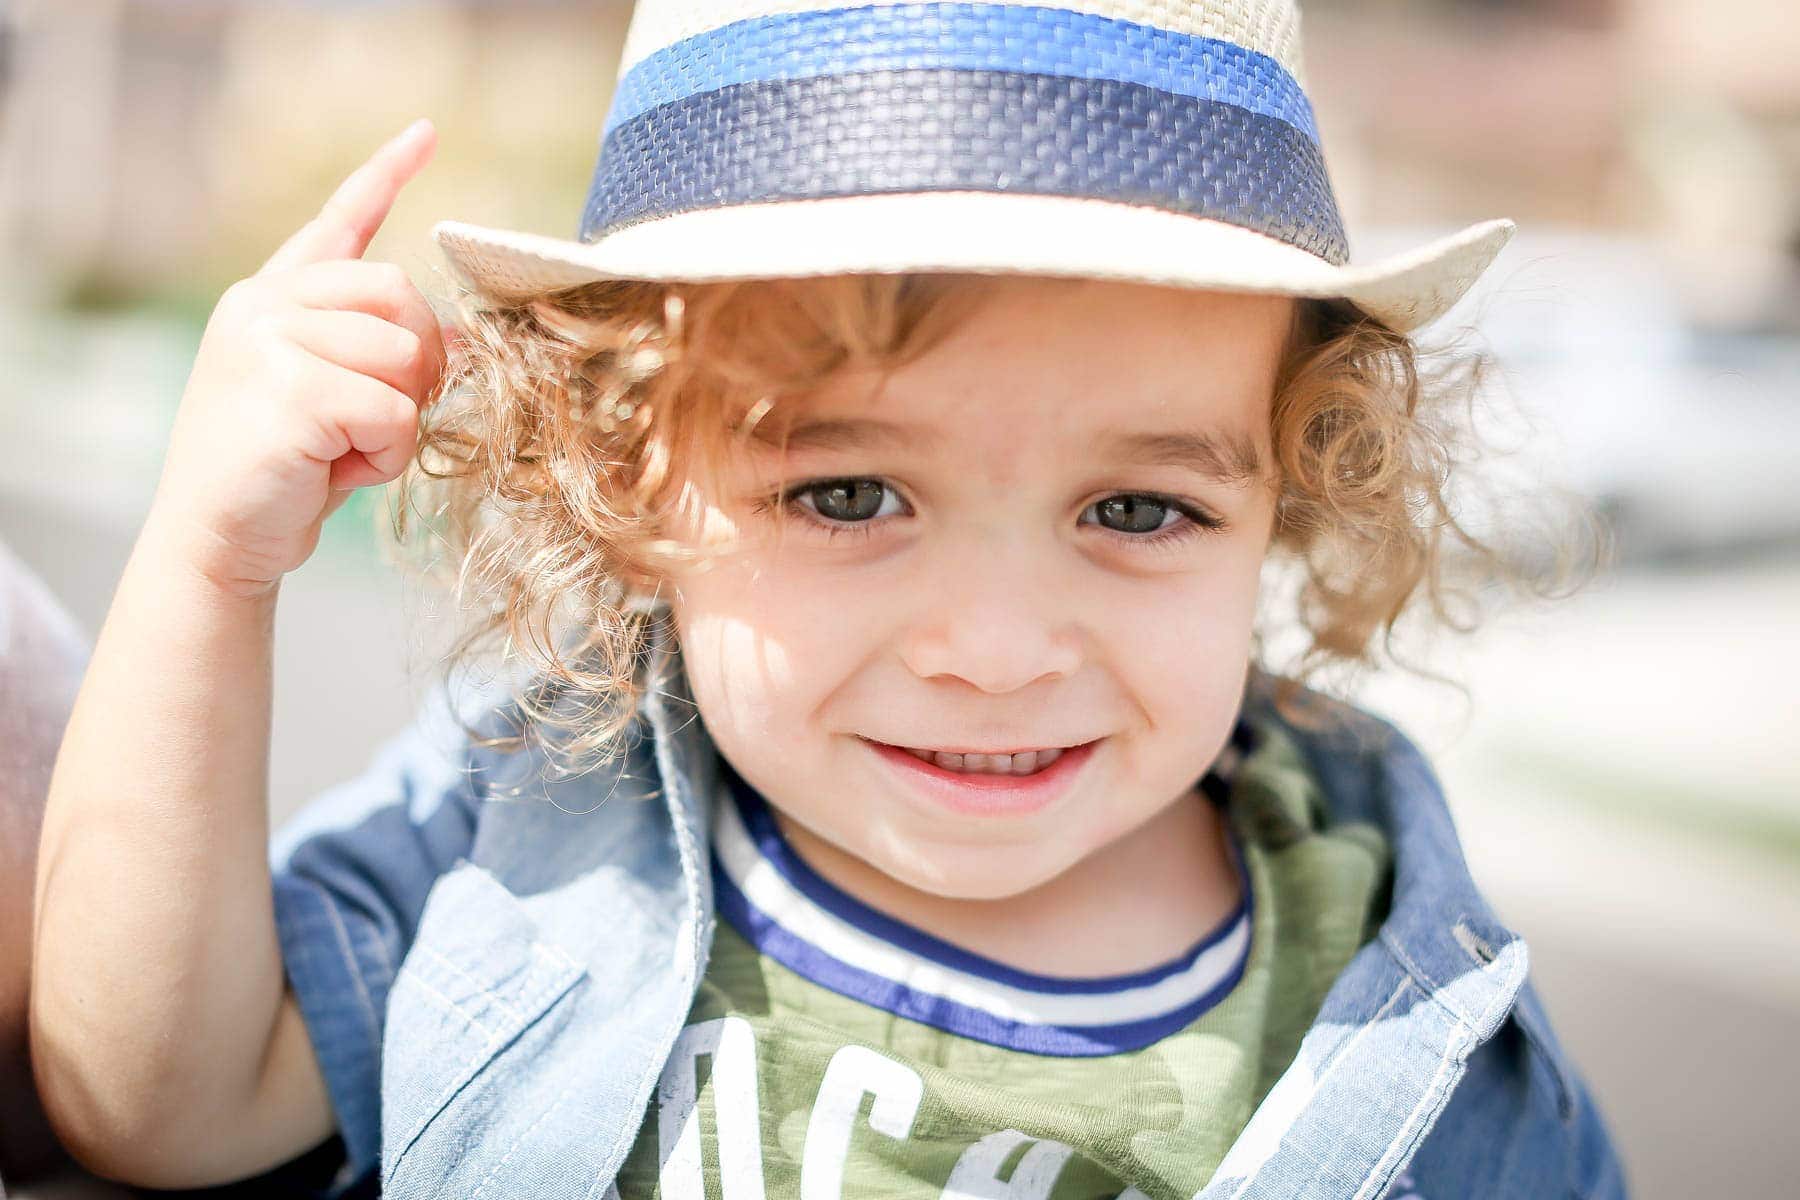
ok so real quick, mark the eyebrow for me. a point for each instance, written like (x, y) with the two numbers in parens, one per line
(846, 433)
(1225, 456)
(1228, 456)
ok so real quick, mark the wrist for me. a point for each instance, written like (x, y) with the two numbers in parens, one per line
(180, 550)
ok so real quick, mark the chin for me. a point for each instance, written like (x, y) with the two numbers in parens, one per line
(983, 874)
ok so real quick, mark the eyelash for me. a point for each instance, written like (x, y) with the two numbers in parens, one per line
(1198, 523)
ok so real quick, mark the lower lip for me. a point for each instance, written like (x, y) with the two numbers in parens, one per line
(988, 794)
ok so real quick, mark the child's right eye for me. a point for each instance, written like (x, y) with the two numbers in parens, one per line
(839, 506)
(845, 499)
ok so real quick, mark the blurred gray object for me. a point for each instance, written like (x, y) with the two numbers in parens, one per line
(1681, 435)
(42, 654)
(1684, 435)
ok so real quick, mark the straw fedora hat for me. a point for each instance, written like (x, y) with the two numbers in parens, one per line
(1162, 141)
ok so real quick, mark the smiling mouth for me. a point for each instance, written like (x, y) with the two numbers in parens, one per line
(1025, 762)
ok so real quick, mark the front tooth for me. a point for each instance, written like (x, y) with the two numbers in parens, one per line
(992, 764)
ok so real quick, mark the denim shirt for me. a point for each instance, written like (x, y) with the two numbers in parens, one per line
(494, 977)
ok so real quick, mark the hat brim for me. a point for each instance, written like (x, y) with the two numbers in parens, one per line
(979, 232)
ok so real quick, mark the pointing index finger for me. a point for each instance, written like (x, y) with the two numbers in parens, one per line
(348, 222)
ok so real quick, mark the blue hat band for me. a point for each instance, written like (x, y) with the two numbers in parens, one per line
(923, 97)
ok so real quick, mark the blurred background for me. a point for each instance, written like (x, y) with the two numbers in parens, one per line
(1624, 766)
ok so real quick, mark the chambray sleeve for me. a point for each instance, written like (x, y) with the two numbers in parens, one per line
(1598, 1169)
(351, 871)
(1595, 1169)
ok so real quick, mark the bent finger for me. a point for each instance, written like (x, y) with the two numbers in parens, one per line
(360, 413)
(368, 345)
(381, 289)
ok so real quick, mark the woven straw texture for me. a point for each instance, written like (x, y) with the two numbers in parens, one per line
(1270, 27)
(973, 231)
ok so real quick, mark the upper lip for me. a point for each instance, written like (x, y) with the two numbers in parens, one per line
(976, 750)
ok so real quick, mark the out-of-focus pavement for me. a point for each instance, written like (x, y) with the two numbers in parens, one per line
(1626, 785)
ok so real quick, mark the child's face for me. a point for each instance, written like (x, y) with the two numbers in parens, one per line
(994, 582)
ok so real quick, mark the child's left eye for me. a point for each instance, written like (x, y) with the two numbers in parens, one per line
(1132, 509)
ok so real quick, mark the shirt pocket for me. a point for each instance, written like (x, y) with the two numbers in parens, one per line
(479, 975)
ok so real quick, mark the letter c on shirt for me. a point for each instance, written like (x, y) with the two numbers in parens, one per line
(852, 1071)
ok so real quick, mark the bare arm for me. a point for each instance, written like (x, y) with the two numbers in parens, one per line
(167, 1050)
(159, 984)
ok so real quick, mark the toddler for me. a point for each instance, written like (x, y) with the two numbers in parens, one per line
(884, 788)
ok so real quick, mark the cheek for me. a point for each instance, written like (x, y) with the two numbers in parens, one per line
(764, 649)
(1184, 644)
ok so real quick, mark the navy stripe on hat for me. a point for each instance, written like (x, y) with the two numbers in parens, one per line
(985, 97)
(946, 129)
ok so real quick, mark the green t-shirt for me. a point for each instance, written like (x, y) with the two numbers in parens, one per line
(832, 1050)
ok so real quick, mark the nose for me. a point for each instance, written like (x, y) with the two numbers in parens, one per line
(991, 620)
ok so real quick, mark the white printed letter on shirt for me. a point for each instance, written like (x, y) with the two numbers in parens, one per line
(732, 1044)
(852, 1071)
(977, 1173)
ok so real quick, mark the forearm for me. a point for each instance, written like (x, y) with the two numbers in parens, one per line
(164, 1045)
(158, 976)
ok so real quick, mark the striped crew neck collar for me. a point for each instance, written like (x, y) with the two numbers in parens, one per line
(802, 920)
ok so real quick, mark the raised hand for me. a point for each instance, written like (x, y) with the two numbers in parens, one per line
(308, 384)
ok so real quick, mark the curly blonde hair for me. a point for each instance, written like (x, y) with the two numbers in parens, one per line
(571, 426)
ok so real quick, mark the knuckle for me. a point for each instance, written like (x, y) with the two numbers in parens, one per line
(411, 349)
(290, 376)
(403, 416)
(239, 300)
(329, 216)
(265, 326)
(376, 401)
(400, 432)
(393, 278)
(416, 297)
(267, 331)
